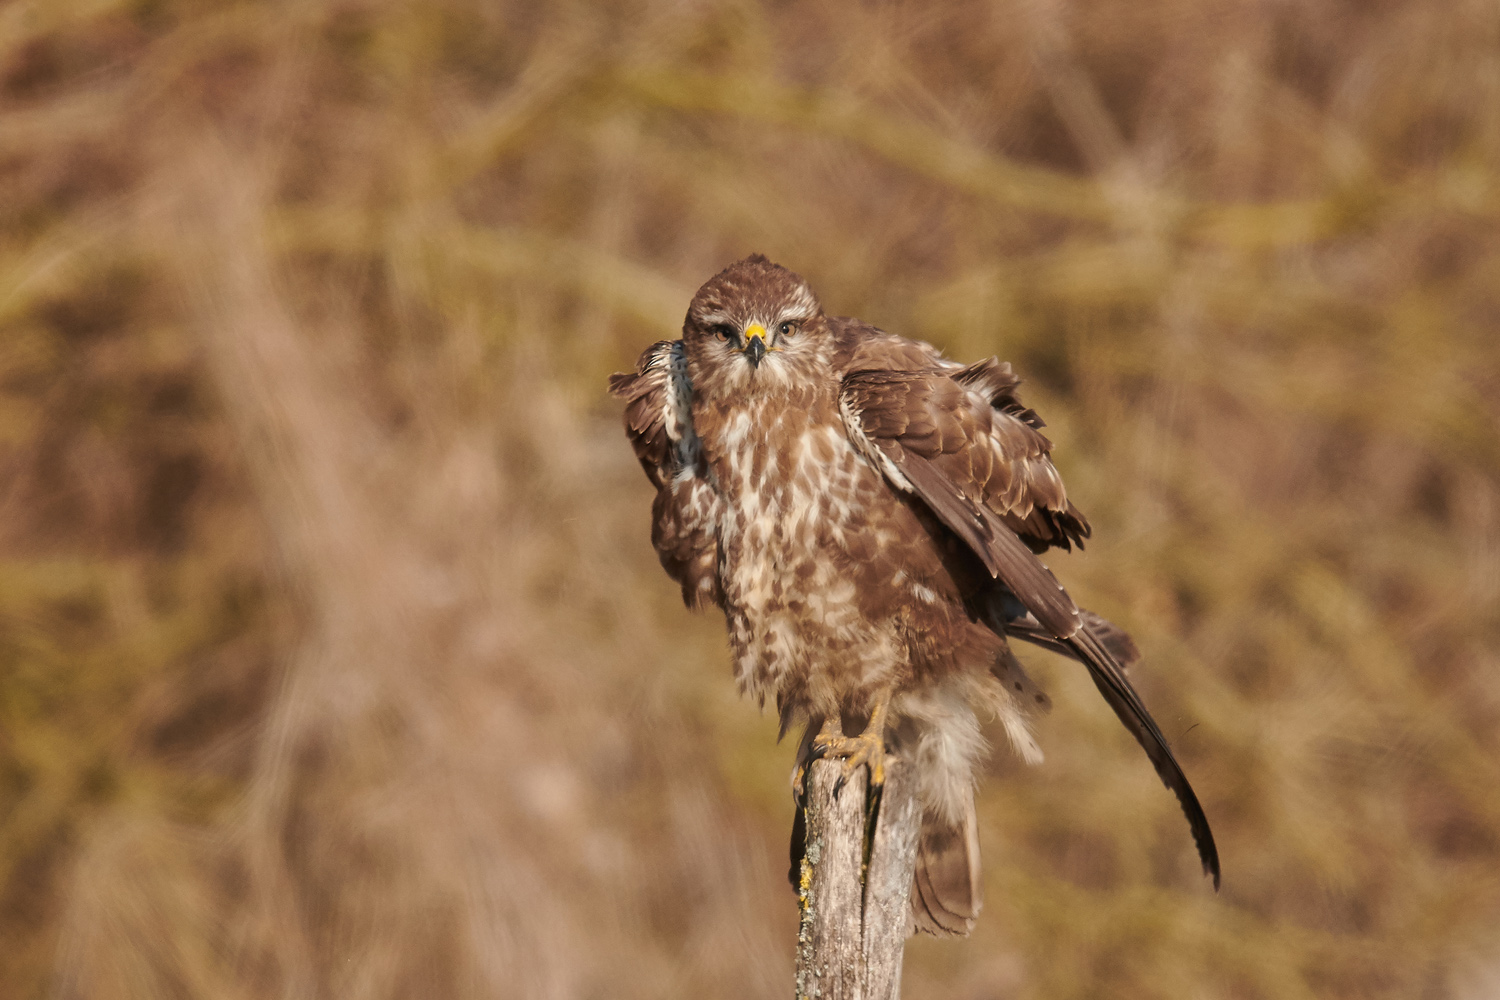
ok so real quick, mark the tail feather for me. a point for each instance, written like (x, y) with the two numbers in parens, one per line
(946, 892)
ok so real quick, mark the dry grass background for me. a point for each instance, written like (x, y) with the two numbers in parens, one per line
(334, 660)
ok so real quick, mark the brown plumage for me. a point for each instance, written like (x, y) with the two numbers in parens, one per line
(868, 515)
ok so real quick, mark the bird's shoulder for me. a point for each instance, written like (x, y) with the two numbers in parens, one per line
(658, 418)
(957, 435)
(860, 346)
(659, 423)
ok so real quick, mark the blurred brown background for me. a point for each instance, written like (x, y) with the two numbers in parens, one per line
(334, 658)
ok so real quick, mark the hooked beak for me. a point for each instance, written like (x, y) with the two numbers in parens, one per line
(755, 344)
(755, 349)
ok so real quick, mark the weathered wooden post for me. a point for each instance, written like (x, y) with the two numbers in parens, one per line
(856, 905)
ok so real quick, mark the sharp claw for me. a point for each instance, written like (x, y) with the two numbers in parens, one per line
(866, 750)
(872, 761)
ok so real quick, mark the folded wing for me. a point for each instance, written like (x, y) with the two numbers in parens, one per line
(961, 442)
(659, 423)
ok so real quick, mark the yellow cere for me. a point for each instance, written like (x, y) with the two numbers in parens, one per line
(756, 330)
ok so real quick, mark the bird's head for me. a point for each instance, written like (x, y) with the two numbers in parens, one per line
(755, 326)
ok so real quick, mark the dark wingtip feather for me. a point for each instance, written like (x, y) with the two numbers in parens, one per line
(1109, 678)
(1115, 639)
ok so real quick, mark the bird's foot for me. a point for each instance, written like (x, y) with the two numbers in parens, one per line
(865, 750)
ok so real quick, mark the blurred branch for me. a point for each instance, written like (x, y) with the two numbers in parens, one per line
(605, 279)
(561, 67)
(1026, 188)
(1072, 91)
(57, 258)
(909, 144)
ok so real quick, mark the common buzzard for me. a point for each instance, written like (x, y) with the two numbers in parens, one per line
(868, 516)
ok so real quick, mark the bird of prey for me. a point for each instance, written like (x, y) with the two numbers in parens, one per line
(868, 515)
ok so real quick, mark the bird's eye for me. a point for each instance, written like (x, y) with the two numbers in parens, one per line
(787, 328)
(723, 332)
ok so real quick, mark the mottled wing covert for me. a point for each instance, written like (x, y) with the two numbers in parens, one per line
(961, 441)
